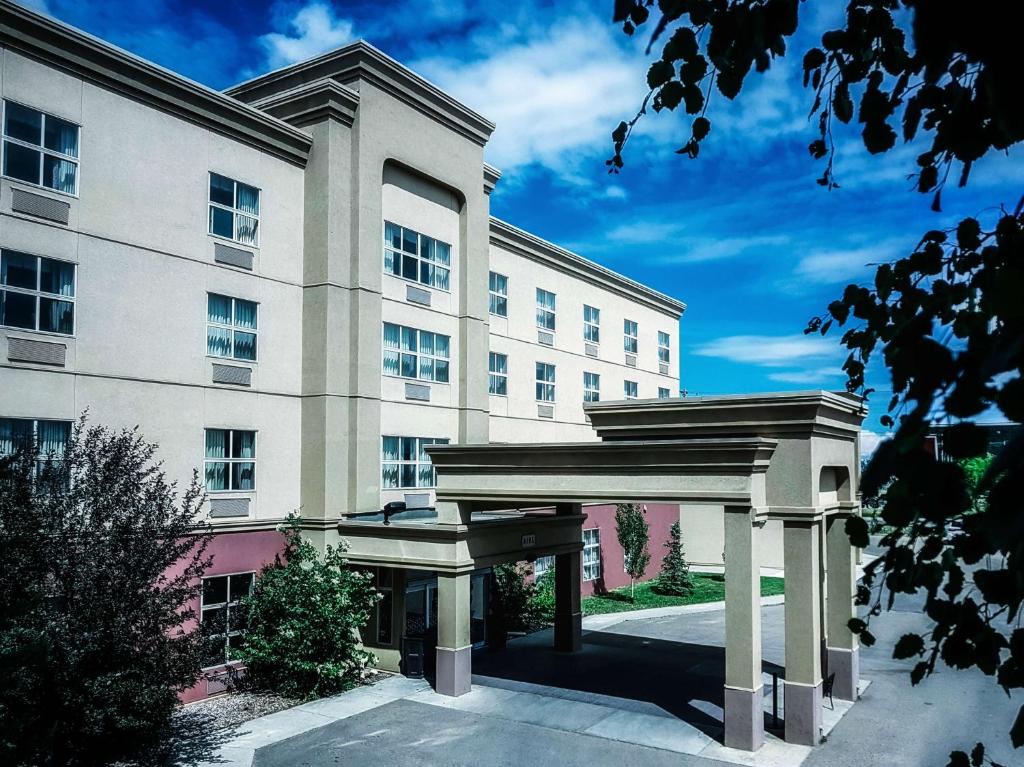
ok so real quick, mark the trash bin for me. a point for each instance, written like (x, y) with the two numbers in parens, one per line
(413, 656)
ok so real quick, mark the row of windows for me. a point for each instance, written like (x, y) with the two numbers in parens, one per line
(42, 149)
(591, 558)
(497, 381)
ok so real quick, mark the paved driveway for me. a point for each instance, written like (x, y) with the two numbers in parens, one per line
(536, 707)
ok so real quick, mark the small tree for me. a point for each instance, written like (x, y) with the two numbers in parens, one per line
(542, 603)
(102, 562)
(674, 578)
(975, 470)
(633, 533)
(304, 617)
(514, 598)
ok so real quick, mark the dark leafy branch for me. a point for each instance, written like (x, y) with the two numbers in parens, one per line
(947, 320)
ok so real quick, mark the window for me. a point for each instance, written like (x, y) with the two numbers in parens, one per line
(629, 332)
(37, 293)
(40, 149)
(591, 387)
(545, 382)
(234, 210)
(498, 293)
(664, 347)
(542, 566)
(497, 374)
(412, 353)
(629, 389)
(591, 554)
(664, 393)
(223, 616)
(545, 310)
(384, 583)
(48, 437)
(414, 256)
(405, 463)
(591, 324)
(231, 327)
(230, 460)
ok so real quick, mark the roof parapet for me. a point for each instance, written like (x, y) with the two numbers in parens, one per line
(97, 61)
(491, 177)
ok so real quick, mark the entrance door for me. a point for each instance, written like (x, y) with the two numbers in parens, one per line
(479, 598)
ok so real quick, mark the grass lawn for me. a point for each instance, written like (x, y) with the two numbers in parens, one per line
(707, 587)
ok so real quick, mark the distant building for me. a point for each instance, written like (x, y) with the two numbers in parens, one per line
(998, 435)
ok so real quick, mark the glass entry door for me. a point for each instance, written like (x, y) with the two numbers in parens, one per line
(479, 598)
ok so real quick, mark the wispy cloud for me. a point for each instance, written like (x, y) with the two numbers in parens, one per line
(769, 351)
(818, 376)
(870, 440)
(313, 29)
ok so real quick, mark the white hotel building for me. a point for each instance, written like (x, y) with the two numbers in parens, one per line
(293, 286)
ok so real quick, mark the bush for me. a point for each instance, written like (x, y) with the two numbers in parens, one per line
(543, 601)
(304, 617)
(514, 598)
(101, 564)
(674, 578)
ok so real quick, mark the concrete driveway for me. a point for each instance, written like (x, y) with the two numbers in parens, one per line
(644, 692)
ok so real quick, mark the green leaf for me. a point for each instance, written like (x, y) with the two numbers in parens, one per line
(671, 94)
(908, 646)
(842, 104)
(701, 128)
(660, 73)
(682, 45)
(857, 530)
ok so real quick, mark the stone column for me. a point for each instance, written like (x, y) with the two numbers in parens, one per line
(453, 512)
(744, 696)
(568, 614)
(802, 554)
(843, 646)
(454, 648)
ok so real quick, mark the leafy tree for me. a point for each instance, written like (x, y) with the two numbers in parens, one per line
(102, 561)
(674, 578)
(304, 617)
(975, 469)
(633, 534)
(947, 319)
(542, 603)
(515, 596)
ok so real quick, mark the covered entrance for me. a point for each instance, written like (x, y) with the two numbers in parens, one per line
(757, 459)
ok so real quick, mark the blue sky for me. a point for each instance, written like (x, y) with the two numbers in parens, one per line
(743, 235)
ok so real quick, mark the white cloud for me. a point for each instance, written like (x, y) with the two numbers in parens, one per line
(870, 440)
(831, 266)
(823, 377)
(554, 96)
(316, 30)
(769, 351)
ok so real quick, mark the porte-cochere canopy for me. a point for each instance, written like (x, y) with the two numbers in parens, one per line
(792, 458)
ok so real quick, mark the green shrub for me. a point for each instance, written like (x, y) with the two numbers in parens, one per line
(514, 597)
(674, 578)
(304, 617)
(543, 600)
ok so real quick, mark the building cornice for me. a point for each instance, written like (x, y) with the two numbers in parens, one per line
(491, 176)
(312, 102)
(522, 243)
(361, 61)
(64, 47)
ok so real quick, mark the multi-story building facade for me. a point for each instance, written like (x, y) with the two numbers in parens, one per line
(294, 286)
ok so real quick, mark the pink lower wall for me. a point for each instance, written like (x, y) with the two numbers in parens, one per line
(234, 553)
(660, 517)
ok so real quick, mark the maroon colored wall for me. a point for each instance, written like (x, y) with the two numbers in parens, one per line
(234, 553)
(660, 517)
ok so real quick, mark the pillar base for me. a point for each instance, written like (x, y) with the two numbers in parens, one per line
(454, 671)
(803, 713)
(845, 664)
(744, 718)
(569, 632)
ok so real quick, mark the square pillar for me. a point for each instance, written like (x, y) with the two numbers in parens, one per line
(568, 612)
(453, 512)
(803, 687)
(454, 648)
(744, 694)
(843, 645)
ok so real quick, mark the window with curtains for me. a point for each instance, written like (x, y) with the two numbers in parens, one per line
(404, 462)
(545, 310)
(223, 618)
(591, 554)
(234, 210)
(230, 460)
(542, 566)
(412, 353)
(497, 374)
(664, 347)
(498, 294)
(40, 149)
(545, 382)
(629, 336)
(591, 387)
(48, 437)
(591, 324)
(664, 393)
(37, 293)
(231, 327)
(629, 389)
(414, 256)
